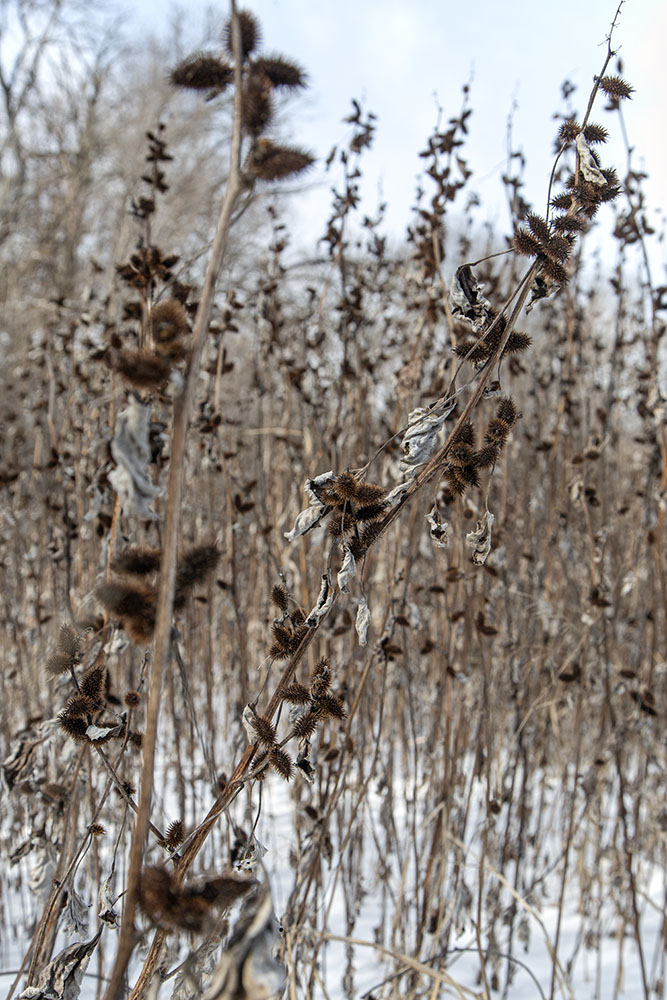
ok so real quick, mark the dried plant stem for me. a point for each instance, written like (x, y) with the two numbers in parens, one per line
(165, 606)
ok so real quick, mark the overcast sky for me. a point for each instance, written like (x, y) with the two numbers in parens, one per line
(404, 59)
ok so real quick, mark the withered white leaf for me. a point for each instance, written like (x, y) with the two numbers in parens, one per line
(438, 528)
(589, 167)
(198, 966)
(106, 901)
(248, 968)
(348, 570)
(479, 540)
(324, 601)
(421, 436)
(61, 979)
(312, 485)
(101, 732)
(306, 520)
(75, 914)
(131, 452)
(397, 493)
(362, 621)
(248, 720)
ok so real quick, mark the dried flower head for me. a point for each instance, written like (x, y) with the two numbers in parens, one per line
(202, 71)
(616, 88)
(281, 72)
(271, 162)
(251, 33)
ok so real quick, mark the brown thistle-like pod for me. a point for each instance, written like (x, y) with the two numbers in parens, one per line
(507, 410)
(357, 548)
(202, 71)
(562, 201)
(271, 162)
(96, 830)
(569, 223)
(568, 131)
(486, 456)
(455, 483)
(497, 432)
(296, 694)
(282, 638)
(594, 133)
(469, 474)
(369, 533)
(525, 243)
(344, 487)
(175, 834)
(79, 705)
(466, 435)
(368, 493)
(306, 724)
(193, 567)
(539, 227)
(266, 731)
(369, 512)
(460, 454)
(74, 726)
(132, 699)
(58, 663)
(93, 683)
(281, 762)
(136, 739)
(341, 523)
(127, 599)
(474, 351)
(297, 617)
(555, 271)
(319, 685)
(137, 560)
(251, 33)
(169, 323)
(517, 342)
(330, 706)
(616, 88)
(281, 72)
(256, 103)
(67, 642)
(141, 368)
(560, 248)
(280, 597)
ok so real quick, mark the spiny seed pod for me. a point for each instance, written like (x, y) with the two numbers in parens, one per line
(67, 642)
(79, 705)
(525, 243)
(280, 597)
(297, 616)
(497, 432)
(486, 456)
(75, 727)
(131, 699)
(560, 248)
(569, 223)
(251, 33)
(266, 731)
(368, 493)
(539, 227)
(296, 694)
(474, 351)
(141, 368)
(616, 88)
(202, 71)
(460, 454)
(357, 548)
(282, 637)
(257, 104)
(330, 706)
(369, 533)
(345, 487)
(370, 512)
(193, 567)
(125, 599)
(568, 131)
(562, 201)
(137, 560)
(281, 72)
(96, 830)
(306, 724)
(466, 435)
(136, 739)
(271, 162)
(341, 523)
(555, 271)
(507, 410)
(517, 342)
(92, 683)
(169, 321)
(594, 133)
(175, 834)
(58, 663)
(281, 762)
(469, 475)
